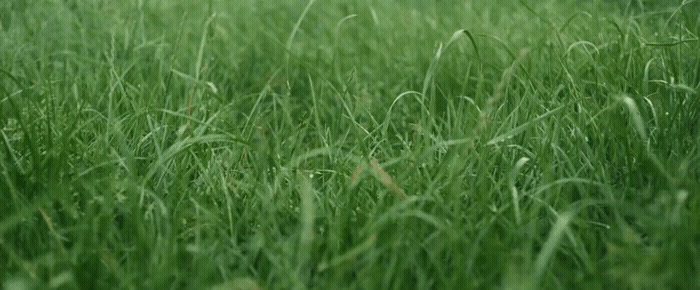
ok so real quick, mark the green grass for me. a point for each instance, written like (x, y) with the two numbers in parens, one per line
(354, 144)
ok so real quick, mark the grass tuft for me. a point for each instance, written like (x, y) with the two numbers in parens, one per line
(349, 144)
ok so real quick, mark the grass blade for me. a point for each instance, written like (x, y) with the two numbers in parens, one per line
(517, 130)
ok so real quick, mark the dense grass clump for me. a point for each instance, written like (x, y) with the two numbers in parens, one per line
(358, 144)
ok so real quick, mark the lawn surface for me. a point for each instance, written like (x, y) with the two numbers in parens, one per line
(358, 144)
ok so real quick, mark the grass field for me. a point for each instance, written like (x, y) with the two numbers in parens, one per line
(349, 144)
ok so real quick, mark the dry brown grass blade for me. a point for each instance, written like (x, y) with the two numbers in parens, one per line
(385, 178)
(356, 174)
